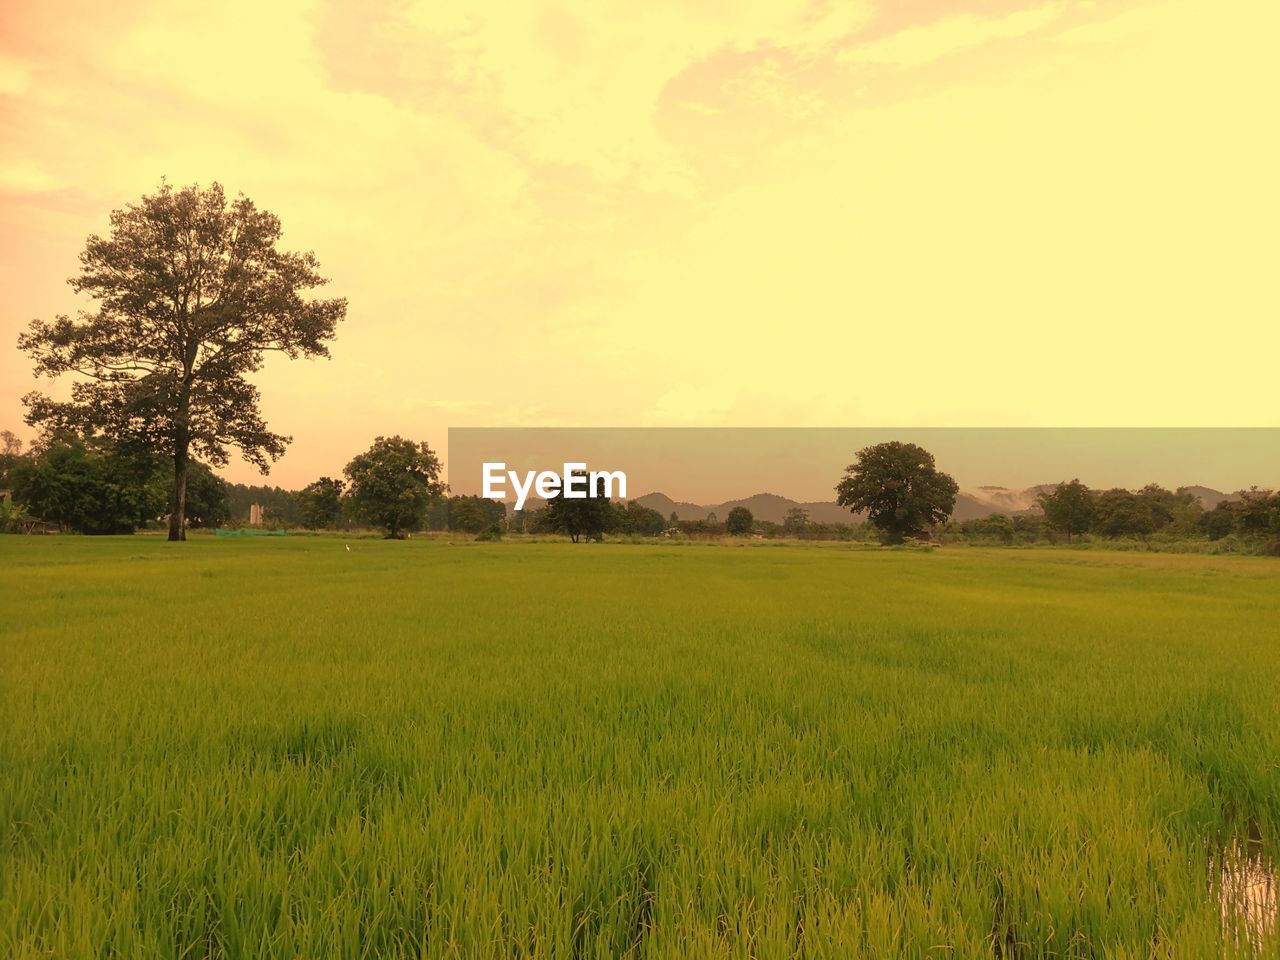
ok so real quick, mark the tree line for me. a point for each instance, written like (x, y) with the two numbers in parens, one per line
(191, 292)
(97, 486)
(1072, 509)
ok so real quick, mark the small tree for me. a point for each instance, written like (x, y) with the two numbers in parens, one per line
(320, 503)
(579, 517)
(1220, 521)
(208, 497)
(638, 520)
(1068, 508)
(900, 488)
(1258, 513)
(1122, 513)
(738, 522)
(795, 521)
(191, 293)
(14, 517)
(473, 514)
(994, 528)
(394, 483)
(1173, 511)
(10, 455)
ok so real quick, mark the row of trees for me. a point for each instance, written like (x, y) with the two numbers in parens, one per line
(1072, 509)
(97, 485)
(904, 495)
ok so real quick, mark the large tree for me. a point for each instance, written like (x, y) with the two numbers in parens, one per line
(899, 487)
(1068, 507)
(191, 292)
(394, 483)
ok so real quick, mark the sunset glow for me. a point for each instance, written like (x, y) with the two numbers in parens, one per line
(771, 213)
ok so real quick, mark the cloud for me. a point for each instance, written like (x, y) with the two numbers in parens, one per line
(918, 45)
(565, 84)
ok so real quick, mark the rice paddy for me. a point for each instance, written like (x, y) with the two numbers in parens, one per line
(286, 748)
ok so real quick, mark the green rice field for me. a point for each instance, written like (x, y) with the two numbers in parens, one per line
(305, 747)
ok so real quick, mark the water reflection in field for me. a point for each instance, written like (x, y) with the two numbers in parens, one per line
(1245, 879)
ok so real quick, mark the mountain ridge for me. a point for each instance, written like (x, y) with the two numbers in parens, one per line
(970, 504)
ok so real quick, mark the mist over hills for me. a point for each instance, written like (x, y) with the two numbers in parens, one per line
(970, 505)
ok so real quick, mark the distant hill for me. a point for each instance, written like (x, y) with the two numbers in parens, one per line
(970, 505)
(1208, 497)
(763, 506)
(772, 507)
(975, 506)
(1005, 500)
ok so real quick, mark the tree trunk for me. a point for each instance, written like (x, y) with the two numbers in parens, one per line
(178, 502)
(181, 451)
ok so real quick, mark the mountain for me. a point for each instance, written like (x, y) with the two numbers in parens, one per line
(1208, 497)
(1013, 502)
(970, 505)
(763, 506)
(666, 506)
(771, 507)
(1005, 500)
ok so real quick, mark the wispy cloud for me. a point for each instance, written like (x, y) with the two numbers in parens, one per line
(922, 44)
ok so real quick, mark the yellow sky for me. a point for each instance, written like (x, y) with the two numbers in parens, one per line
(771, 213)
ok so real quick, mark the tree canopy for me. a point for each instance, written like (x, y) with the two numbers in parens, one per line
(635, 519)
(208, 497)
(191, 292)
(320, 503)
(796, 520)
(475, 514)
(899, 487)
(394, 483)
(591, 516)
(92, 487)
(1123, 513)
(738, 522)
(1068, 508)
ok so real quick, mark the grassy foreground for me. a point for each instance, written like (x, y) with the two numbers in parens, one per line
(285, 748)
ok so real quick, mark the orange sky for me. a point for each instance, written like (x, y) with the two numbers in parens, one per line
(770, 213)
